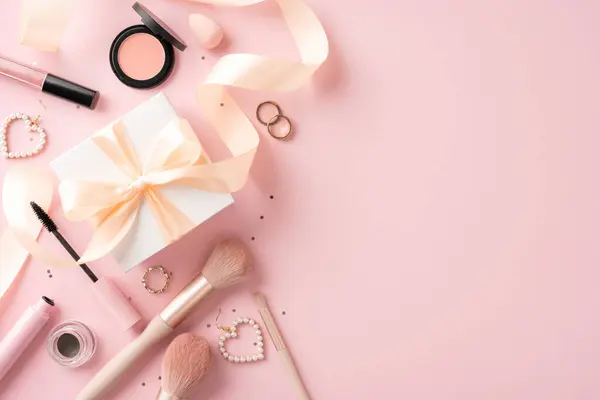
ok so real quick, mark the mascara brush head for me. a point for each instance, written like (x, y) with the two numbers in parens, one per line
(43, 216)
(227, 264)
(185, 364)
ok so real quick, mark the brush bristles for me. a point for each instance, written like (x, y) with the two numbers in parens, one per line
(43, 217)
(185, 364)
(227, 264)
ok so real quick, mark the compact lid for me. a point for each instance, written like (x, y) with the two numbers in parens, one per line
(158, 27)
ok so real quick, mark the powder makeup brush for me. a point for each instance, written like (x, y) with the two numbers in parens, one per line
(105, 291)
(184, 366)
(227, 265)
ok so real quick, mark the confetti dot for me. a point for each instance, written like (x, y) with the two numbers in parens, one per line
(208, 325)
(48, 271)
(171, 273)
(255, 343)
(203, 57)
(159, 378)
(262, 217)
(271, 197)
(233, 310)
(78, 107)
(283, 313)
(143, 383)
(222, 104)
(50, 276)
(129, 298)
(253, 238)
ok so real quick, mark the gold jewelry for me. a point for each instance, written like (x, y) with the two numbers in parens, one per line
(273, 121)
(261, 106)
(165, 274)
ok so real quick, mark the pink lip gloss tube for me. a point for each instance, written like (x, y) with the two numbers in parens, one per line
(21, 335)
(49, 83)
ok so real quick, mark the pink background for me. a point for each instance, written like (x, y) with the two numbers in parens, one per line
(435, 222)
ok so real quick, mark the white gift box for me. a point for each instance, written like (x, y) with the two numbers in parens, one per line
(86, 162)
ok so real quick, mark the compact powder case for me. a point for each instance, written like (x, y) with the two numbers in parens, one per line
(142, 56)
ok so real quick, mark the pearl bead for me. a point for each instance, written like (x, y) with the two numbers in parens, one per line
(227, 335)
(235, 323)
(240, 320)
(23, 154)
(230, 358)
(260, 344)
(226, 355)
(234, 334)
(254, 358)
(261, 350)
(260, 338)
(242, 359)
(222, 349)
(255, 326)
(251, 322)
(236, 359)
(222, 338)
(245, 320)
(258, 332)
(29, 154)
(261, 356)
(221, 343)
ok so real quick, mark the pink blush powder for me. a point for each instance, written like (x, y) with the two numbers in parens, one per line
(141, 56)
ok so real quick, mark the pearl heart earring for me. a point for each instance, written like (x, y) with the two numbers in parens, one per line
(32, 126)
(231, 332)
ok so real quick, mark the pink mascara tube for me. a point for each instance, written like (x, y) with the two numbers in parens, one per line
(21, 335)
(49, 83)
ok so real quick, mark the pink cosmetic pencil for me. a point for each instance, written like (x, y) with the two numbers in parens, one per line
(49, 83)
(23, 332)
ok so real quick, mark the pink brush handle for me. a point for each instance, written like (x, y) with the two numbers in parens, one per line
(115, 369)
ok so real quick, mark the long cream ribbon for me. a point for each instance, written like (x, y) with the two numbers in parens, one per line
(43, 22)
(16, 196)
(247, 71)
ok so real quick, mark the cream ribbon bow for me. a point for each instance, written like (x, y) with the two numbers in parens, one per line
(175, 158)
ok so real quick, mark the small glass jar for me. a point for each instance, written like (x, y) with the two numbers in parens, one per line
(71, 344)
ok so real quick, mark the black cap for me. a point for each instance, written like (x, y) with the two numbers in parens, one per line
(158, 27)
(70, 91)
(48, 300)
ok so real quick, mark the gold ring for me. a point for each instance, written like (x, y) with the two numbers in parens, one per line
(165, 274)
(264, 103)
(274, 121)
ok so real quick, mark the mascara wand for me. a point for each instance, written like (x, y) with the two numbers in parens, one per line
(106, 292)
(51, 227)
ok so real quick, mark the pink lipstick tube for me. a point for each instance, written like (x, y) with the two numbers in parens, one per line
(21, 335)
(49, 83)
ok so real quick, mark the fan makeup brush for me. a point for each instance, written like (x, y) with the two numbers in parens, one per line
(227, 264)
(185, 364)
(105, 291)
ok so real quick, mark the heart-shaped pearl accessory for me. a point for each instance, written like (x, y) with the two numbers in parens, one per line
(32, 126)
(232, 333)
